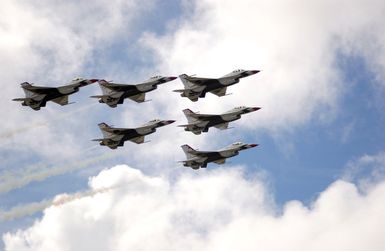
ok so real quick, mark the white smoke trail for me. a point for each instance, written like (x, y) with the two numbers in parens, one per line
(13, 180)
(16, 131)
(29, 209)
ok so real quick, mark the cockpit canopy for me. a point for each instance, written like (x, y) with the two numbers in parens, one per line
(77, 79)
(237, 144)
(239, 70)
(155, 77)
(154, 120)
(240, 107)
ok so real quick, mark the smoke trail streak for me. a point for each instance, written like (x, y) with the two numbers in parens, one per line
(29, 209)
(14, 180)
(11, 173)
(16, 131)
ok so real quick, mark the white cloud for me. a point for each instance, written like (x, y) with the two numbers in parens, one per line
(366, 170)
(295, 43)
(210, 210)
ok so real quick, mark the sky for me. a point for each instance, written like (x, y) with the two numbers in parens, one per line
(315, 182)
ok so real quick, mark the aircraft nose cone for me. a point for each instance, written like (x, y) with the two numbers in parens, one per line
(255, 108)
(172, 78)
(252, 145)
(167, 122)
(93, 80)
(254, 72)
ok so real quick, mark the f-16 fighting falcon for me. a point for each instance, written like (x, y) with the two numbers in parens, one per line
(199, 159)
(37, 96)
(114, 94)
(196, 87)
(115, 137)
(198, 123)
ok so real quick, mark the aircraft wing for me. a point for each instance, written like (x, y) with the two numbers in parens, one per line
(202, 81)
(190, 94)
(39, 89)
(193, 163)
(36, 94)
(204, 153)
(113, 144)
(118, 87)
(220, 161)
(61, 100)
(219, 92)
(138, 98)
(116, 133)
(121, 130)
(110, 100)
(193, 128)
(138, 140)
(204, 116)
(222, 126)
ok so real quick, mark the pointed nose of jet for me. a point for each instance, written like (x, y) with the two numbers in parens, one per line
(253, 109)
(172, 78)
(253, 72)
(251, 145)
(167, 122)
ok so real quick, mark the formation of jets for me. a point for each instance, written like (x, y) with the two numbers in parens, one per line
(115, 93)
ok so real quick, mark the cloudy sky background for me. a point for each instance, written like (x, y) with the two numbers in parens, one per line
(315, 182)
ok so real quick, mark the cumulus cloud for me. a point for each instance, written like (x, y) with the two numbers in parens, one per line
(212, 210)
(297, 44)
(366, 170)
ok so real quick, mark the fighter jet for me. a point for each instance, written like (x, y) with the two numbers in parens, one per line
(37, 96)
(196, 87)
(199, 159)
(115, 137)
(114, 94)
(198, 123)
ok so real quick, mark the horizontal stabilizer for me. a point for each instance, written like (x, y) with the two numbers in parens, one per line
(61, 100)
(99, 96)
(219, 92)
(222, 126)
(139, 98)
(220, 161)
(138, 140)
(179, 90)
(19, 99)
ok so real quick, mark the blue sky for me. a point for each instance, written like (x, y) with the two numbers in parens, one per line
(322, 98)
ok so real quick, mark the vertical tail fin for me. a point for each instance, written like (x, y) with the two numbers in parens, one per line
(103, 125)
(188, 150)
(104, 86)
(185, 80)
(25, 84)
(189, 115)
(104, 128)
(26, 88)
